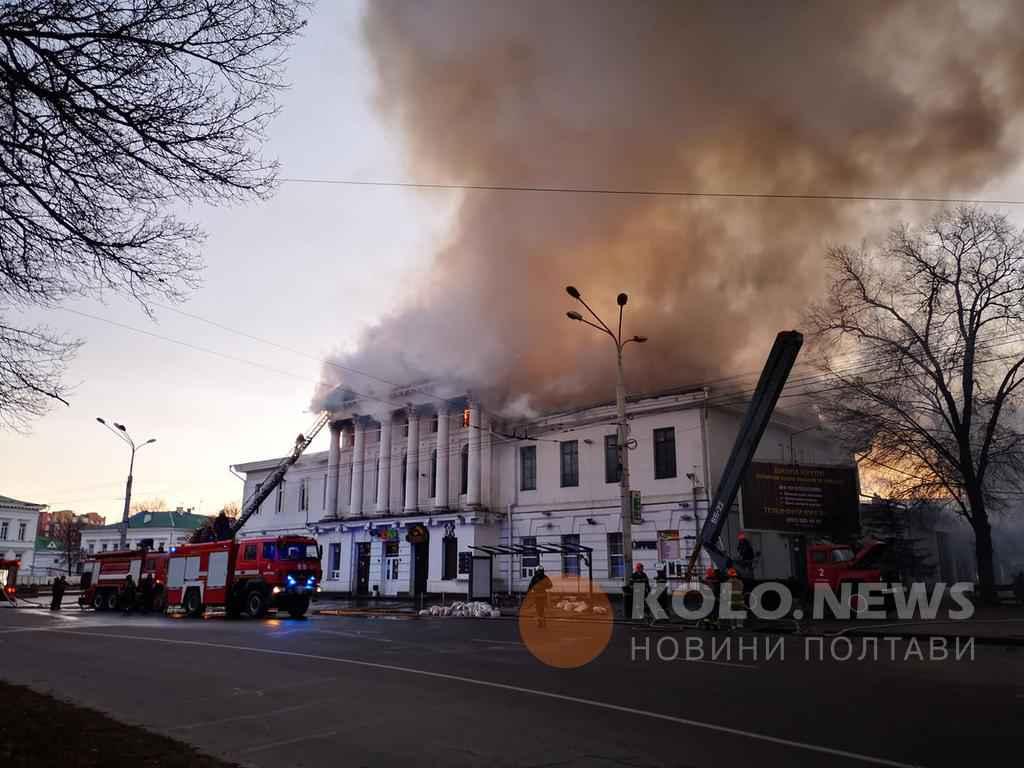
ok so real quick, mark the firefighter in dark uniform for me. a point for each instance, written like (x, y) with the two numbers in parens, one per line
(539, 587)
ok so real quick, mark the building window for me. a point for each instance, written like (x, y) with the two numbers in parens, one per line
(103, 548)
(433, 473)
(92, 547)
(3, 530)
(570, 461)
(334, 561)
(433, 423)
(304, 494)
(465, 418)
(611, 458)
(323, 501)
(530, 560)
(616, 560)
(465, 469)
(664, 453)
(528, 468)
(449, 557)
(405, 473)
(22, 527)
(570, 562)
(279, 500)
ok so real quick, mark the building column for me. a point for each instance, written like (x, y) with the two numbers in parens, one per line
(473, 481)
(441, 479)
(412, 465)
(333, 461)
(355, 508)
(384, 476)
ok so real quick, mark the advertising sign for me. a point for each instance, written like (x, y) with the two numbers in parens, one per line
(801, 498)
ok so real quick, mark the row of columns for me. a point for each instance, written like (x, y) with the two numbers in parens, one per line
(355, 504)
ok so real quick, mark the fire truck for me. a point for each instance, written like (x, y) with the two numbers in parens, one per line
(8, 578)
(247, 576)
(104, 574)
(251, 575)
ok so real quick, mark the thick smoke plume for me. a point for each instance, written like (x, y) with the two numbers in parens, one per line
(892, 98)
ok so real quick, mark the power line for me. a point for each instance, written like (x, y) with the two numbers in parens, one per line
(654, 192)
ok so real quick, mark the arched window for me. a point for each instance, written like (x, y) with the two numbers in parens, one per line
(465, 469)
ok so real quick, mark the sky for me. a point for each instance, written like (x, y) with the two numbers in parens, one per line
(306, 270)
(316, 265)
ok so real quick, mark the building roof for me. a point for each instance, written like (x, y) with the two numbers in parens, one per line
(163, 519)
(7, 501)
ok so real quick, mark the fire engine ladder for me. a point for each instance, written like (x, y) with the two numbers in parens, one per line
(773, 378)
(252, 504)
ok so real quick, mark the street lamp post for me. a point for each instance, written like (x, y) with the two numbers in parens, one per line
(122, 433)
(623, 426)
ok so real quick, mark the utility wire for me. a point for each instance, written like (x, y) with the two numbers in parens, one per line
(653, 192)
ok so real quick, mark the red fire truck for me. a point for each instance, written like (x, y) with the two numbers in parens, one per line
(8, 578)
(103, 577)
(246, 575)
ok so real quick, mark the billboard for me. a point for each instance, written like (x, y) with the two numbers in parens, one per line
(801, 498)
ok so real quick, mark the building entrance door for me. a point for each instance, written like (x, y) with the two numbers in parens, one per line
(363, 568)
(420, 563)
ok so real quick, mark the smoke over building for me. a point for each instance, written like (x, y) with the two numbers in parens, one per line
(867, 98)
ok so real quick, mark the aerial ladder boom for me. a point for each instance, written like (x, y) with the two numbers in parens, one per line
(274, 479)
(773, 378)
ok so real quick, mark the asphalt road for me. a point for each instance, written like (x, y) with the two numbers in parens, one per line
(354, 691)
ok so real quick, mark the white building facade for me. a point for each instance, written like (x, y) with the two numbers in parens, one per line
(158, 530)
(402, 496)
(19, 521)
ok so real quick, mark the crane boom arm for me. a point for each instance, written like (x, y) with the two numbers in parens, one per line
(275, 477)
(759, 412)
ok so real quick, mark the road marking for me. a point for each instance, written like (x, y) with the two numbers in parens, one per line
(236, 718)
(356, 635)
(285, 742)
(500, 686)
(498, 642)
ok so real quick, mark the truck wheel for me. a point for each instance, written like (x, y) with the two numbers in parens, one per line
(297, 608)
(110, 601)
(256, 604)
(99, 601)
(193, 603)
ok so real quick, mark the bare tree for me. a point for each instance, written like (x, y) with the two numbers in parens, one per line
(148, 505)
(112, 115)
(923, 347)
(68, 536)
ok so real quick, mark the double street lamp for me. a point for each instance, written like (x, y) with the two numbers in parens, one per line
(122, 433)
(623, 426)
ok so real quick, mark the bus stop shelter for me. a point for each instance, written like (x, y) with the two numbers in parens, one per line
(490, 551)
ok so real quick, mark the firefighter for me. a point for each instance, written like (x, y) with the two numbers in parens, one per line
(735, 595)
(639, 577)
(539, 587)
(222, 527)
(59, 585)
(146, 593)
(745, 556)
(128, 595)
(711, 620)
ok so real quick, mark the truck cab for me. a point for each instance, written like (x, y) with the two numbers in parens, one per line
(838, 564)
(8, 578)
(281, 572)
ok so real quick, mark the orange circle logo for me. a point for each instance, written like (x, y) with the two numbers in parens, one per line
(564, 627)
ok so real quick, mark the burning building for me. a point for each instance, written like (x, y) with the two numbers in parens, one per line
(406, 491)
